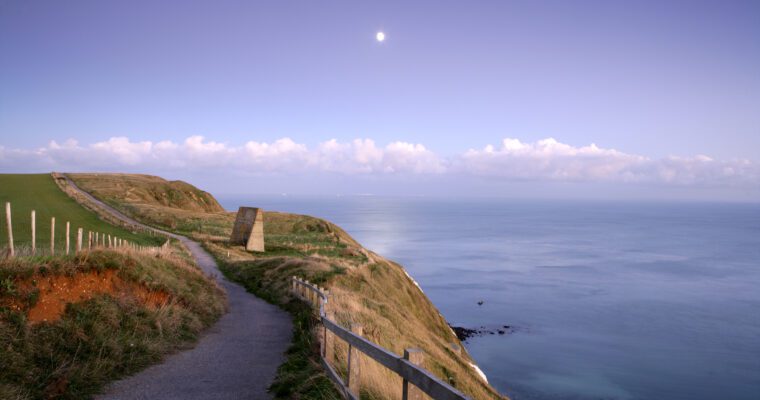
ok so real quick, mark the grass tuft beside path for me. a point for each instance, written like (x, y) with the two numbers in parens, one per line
(108, 333)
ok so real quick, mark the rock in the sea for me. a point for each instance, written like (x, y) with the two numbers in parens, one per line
(464, 333)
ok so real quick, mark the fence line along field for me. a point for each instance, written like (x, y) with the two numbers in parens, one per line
(39, 193)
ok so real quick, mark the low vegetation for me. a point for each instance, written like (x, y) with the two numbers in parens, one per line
(300, 376)
(173, 205)
(71, 324)
(366, 288)
(39, 192)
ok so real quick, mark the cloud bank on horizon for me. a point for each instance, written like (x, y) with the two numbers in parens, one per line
(511, 160)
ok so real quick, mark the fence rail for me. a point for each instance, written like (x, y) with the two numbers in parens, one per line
(92, 240)
(416, 380)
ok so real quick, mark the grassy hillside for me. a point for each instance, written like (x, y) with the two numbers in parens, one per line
(40, 193)
(69, 325)
(366, 287)
(175, 205)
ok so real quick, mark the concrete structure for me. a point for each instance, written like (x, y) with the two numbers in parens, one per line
(249, 229)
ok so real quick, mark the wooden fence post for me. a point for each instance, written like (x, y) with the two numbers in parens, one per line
(97, 239)
(34, 232)
(314, 298)
(329, 340)
(354, 363)
(326, 299)
(10, 227)
(52, 236)
(68, 234)
(309, 295)
(79, 240)
(409, 391)
(109, 241)
(320, 300)
(89, 240)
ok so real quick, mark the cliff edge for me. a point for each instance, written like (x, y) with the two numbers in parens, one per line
(365, 287)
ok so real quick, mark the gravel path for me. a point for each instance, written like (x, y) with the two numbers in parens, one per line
(237, 358)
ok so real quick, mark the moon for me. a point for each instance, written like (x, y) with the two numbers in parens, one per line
(380, 37)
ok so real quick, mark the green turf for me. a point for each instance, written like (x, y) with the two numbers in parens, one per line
(27, 192)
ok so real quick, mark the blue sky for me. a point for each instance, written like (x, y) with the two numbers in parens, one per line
(662, 81)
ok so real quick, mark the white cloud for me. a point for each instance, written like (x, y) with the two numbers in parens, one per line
(364, 156)
(544, 160)
(549, 159)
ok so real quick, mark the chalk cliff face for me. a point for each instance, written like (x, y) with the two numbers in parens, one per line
(365, 287)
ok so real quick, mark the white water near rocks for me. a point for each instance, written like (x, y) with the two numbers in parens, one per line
(606, 300)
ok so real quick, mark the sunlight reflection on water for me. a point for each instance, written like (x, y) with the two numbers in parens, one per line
(608, 300)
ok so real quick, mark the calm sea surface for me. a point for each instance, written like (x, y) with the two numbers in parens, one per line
(608, 300)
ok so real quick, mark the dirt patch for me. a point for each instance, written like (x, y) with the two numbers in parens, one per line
(54, 292)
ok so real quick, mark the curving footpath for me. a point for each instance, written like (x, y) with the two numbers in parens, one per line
(237, 358)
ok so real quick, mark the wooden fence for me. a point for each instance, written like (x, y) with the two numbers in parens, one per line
(416, 380)
(93, 239)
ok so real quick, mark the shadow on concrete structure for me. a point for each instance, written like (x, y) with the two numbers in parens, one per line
(249, 229)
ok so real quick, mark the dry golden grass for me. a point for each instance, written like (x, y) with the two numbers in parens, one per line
(104, 334)
(173, 205)
(366, 288)
(147, 189)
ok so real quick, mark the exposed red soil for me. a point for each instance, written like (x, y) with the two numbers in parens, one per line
(58, 290)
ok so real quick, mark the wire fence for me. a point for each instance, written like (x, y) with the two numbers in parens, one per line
(81, 241)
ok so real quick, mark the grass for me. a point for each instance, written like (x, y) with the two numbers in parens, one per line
(366, 288)
(300, 376)
(103, 337)
(173, 205)
(40, 193)
(146, 189)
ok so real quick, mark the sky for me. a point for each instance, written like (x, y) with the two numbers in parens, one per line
(600, 99)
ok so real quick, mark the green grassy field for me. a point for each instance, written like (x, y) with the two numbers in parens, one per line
(27, 192)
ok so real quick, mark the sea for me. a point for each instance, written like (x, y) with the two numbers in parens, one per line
(602, 299)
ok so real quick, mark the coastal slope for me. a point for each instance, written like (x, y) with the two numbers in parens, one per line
(366, 288)
(73, 321)
(236, 358)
